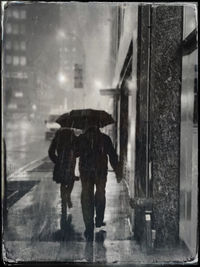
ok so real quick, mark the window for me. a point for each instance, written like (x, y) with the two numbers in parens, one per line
(8, 28)
(8, 59)
(16, 45)
(23, 45)
(15, 29)
(23, 61)
(19, 94)
(8, 45)
(15, 14)
(23, 14)
(15, 60)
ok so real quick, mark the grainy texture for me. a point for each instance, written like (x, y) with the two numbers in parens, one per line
(165, 97)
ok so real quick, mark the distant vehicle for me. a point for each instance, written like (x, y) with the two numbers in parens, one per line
(51, 126)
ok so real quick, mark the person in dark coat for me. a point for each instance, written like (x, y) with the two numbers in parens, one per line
(62, 153)
(94, 149)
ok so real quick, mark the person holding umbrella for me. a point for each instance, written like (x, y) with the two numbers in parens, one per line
(62, 154)
(94, 148)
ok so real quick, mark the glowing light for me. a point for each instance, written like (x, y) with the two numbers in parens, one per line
(132, 85)
(34, 107)
(19, 94)
(62, 78)
(98, 84)
(61, 34)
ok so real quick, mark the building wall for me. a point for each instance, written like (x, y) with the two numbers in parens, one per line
(127, 51)
(189, 143)
(15, 60)
(166, 124)
(165, 116)
(72, 56)
(30, 52)
(43, 51)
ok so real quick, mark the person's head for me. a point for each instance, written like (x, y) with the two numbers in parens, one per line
(67, 131)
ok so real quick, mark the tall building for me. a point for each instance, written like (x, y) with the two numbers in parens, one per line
(43, 50)
(31, 59)
(15, 67)
(72, 57)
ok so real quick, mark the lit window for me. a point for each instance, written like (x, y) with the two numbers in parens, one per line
(23, 45)
(16, 45)
(15, 60)
(15, 29)
(22, 29)
(15, 14)
(8, 28)
(23, 61)
(8, 59)
(12, 106)
(8, 45)
(19, 94)
(23, 14)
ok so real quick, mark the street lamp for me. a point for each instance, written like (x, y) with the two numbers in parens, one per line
(98, 84)
(61, 34)
(62, 78)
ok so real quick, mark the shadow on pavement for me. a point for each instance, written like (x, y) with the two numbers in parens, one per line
(65, 233)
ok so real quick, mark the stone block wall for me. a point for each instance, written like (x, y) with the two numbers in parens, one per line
(165, 118)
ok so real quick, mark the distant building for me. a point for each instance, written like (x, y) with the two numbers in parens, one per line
(72, 57)
(15, 74)
(31, 58)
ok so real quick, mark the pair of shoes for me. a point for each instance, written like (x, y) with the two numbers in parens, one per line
(89, 235)
(98, 224)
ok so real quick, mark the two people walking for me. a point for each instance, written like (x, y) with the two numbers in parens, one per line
(93, 149)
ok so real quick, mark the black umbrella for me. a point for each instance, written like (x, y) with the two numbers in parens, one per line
(82, 118)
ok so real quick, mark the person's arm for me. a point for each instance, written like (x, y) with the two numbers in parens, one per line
(52, 150)
(113, 158)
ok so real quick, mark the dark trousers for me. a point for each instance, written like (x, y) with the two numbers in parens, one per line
(65, 193)
(91, 200)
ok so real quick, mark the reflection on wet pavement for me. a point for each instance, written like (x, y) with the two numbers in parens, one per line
(37, 231)
(100, 247)
(64, 234)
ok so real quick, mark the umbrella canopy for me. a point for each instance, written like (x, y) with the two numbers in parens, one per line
(82, 118)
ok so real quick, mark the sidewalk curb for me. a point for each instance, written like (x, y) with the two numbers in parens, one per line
(27, 167)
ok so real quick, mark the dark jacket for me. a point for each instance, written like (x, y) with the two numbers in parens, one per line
(61, 152)
(94, 149)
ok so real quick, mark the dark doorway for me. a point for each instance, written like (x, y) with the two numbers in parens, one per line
(125, 76)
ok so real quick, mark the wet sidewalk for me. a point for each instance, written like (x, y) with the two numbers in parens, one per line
(36, 230)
